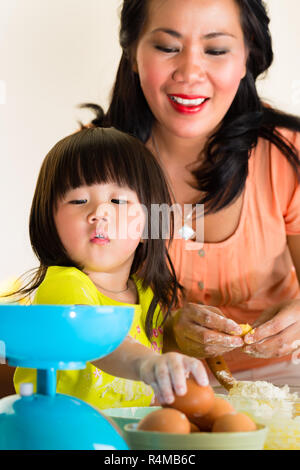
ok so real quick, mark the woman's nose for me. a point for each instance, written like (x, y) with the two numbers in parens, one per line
(190, 68)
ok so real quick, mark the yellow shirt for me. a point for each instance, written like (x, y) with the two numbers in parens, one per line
(70, 286)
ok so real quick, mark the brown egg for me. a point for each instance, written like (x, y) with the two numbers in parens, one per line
(234, 422)
(165, 420)
(219, 408)
(196, 402)
(194, 427)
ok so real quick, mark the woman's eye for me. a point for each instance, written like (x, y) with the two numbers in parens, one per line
(119, 201)
(216, 51)
(167, 50)
(78, 201)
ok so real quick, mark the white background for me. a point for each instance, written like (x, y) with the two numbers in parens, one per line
(56, 54)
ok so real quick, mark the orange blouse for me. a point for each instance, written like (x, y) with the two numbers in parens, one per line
(252, 269)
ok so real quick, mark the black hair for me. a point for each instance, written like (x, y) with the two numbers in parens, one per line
(102, 155)
(222, 174)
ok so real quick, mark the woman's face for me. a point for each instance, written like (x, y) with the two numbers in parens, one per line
(191, 50)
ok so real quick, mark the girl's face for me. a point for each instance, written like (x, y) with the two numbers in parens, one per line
(191, 50)
(100, 226)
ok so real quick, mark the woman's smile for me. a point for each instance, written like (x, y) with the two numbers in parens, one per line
(187, 105)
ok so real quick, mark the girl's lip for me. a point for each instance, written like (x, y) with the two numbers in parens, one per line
(100, 241)
(95, 238)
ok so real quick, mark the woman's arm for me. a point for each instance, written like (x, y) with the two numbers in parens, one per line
(169, 343)
(277, 330)
(293, 242)
(201, 331)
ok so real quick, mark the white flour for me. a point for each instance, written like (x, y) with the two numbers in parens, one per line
(260, 390)
(271, 406)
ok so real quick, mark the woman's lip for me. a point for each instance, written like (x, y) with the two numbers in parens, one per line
(183, 109)
(188, 97)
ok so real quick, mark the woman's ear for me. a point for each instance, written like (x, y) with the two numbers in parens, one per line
(132, 56)
(244, 72)
(135, 65)
(247, 52)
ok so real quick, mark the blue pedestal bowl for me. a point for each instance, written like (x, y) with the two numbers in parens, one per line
(48, 338)
(61, 336)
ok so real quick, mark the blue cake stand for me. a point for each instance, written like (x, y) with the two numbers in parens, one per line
(50, 338)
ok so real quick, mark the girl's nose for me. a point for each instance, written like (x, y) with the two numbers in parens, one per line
(190, 69)
(101, 212)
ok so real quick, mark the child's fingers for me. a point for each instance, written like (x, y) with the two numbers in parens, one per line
(197, 369)
(157, 393)
(163, 381)
(177, 372)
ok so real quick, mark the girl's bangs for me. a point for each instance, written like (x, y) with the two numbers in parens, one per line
(92, 160)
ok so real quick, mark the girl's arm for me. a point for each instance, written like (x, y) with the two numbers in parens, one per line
(165, 373)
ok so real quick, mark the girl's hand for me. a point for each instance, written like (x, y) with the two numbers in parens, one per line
(167, 374)
(277, 331)
(203, 331)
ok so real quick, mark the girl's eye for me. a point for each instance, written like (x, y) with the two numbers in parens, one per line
(216, 51)
(78, 201)
(119, 201)
(167, 50)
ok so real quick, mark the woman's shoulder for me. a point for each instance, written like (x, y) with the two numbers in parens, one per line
(289, 136)
(276, 175)
(270, 155)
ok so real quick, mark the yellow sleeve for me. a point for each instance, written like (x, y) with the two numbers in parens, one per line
(61, 286)
(145, 299)
(24, 375)
(66, 286)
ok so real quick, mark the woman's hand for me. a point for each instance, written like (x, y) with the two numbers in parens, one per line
(167, 374)
(203, 331)
(277, 331)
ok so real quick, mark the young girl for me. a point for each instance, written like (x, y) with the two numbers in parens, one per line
(86, 226)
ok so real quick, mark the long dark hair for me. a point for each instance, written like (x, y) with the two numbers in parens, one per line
(222, 175)
(99, 155)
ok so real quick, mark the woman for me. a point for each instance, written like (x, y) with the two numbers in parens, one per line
(186, 87)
